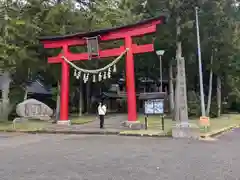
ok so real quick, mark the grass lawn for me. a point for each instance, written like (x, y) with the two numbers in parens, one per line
(32, 125)
(82, 120)
(154, 122)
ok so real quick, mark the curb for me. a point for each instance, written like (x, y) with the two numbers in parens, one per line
(143, 135)
(218, 132)
(62, 132)
(207, 135)
(85, 132)
(72, 132)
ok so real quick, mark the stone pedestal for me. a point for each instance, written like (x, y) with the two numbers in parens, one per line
(185, 130)
(66, 123)
(134, 125)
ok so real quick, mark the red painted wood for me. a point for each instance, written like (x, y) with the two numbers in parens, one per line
(103, 53)
(134, 31)
(130, 82)
(84, 56)
(61, 43)
(55, 59)
(123, 33)
(64, 91)
(137, 49)
(111, 52)
(138, 30)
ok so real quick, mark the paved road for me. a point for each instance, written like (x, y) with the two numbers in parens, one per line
(58, 157)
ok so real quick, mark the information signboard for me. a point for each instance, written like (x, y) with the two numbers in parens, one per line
(154, 106)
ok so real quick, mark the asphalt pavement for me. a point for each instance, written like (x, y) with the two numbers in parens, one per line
(90, 157)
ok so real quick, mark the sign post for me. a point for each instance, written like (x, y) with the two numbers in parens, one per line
(204, 123)
(160, 53)
(154, 107)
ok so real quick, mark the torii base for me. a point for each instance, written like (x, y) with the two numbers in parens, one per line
(66, 123)
(185, 130)
(134, 125)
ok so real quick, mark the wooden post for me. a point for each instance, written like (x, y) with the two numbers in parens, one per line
(64, 92)
(130, 78)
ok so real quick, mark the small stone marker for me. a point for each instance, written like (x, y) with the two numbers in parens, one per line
(133, 126)
(34, 109)
(186, 130)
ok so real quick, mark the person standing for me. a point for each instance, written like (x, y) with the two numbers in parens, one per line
(102, 109)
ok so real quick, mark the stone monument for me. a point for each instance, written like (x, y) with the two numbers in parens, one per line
(33, 109)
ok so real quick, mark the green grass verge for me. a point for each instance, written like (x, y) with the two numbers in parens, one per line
(33, 125)
(148, 132)
(82, 120)
(224, 121)
(30, 125)
(155, 125)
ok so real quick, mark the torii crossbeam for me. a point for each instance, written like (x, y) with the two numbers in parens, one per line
(125, 32)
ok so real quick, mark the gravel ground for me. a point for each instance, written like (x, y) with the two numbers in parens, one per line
(71, 157)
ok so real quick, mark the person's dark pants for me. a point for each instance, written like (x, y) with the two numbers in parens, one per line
(101, 117)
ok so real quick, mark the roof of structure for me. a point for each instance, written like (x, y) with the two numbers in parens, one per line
(38, 87)
(34, 87)
(102, 31)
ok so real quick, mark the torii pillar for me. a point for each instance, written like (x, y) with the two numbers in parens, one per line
(127, 33)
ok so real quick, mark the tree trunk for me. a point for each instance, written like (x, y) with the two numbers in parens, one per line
(178, 56)
(176, 106)
(171, 90)
(88, 94)
(210, 89)
(219, 95)
(80, 99)
(58, 103)
(181, 110)
(5, 96)
(26, 88)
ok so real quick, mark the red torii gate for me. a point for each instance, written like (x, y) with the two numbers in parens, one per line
(124, 32)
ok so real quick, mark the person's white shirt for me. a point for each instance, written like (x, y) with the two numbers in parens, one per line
(102, 109)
